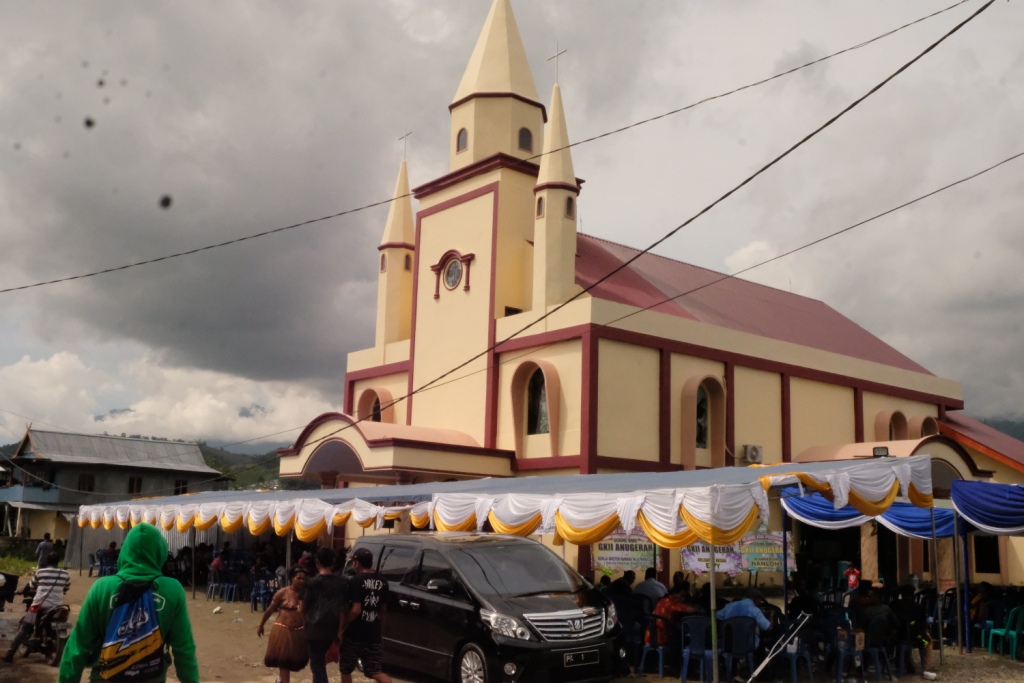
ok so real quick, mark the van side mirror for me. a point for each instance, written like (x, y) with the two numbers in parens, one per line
(443, 586)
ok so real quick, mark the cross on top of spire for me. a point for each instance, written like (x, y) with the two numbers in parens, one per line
(555, 57)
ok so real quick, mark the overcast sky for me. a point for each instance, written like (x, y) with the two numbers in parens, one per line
(255, 115)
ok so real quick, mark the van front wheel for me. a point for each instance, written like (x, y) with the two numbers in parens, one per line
(472, 665)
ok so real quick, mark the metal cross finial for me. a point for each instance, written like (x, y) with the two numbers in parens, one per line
(405, 142)
(555, 57)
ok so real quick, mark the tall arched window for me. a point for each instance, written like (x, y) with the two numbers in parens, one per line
(525, 140)
(537, 405)
(375, 405)
(383, 262)
(375, 414)
(408, 262)
(570, 207)
(540, 207)
(462, 140)
(701, 424)
(891, 425)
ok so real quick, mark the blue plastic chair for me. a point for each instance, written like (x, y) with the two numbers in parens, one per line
(652, 643)
(875, 647)
(213, 584)
(696, 644)
(739, 642)
(229, 587)
(798, 650)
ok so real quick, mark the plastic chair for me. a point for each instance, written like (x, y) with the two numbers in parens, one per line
(93, 563)
(845, 648)
(796, 651)
(213, 584)
(739, 641)
(108, 563)
(994, 615)
(652, 644)
(696, 644)
(1011, 625)
(909, 642)
(229, 587)
(875, 646)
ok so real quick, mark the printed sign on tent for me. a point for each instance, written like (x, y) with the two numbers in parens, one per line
(697, 559)
(620, 551)
(762, 552)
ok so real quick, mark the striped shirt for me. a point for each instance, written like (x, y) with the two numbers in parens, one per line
(50, 583)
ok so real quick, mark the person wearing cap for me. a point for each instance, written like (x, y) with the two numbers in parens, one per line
(364, 623)
(747, 606)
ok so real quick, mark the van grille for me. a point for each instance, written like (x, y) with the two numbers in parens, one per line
(568, 625)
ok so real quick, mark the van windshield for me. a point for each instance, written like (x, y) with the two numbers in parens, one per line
(516, 570)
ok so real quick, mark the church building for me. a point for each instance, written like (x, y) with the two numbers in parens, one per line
(510, 344)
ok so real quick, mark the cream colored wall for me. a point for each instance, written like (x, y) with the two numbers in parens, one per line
(493, 125)
(757, 397)
(453, 328)
(875, 403)
(514, 279)
(683, 368)
(566, 357)
(395, 352)
(397, 384)
(627, 401)
(820, 414)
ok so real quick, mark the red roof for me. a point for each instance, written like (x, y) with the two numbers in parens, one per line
(978, 435)
(731, 302)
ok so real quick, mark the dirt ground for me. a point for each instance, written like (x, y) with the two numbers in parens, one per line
(230, 652)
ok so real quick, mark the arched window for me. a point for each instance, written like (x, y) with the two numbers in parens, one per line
(701, 424)
(462, 140)
(891, 425)
(570, 207)
(537, 405)
(375, 414)
(540, 207)
(375, 405)
(383, 262)
(408, 262)
(525, 140)
(921, 426)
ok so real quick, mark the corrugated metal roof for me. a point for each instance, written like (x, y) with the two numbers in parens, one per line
(88, 449)
(732, 303)
(977, 433)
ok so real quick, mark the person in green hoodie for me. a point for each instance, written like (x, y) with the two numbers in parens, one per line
(142, 559)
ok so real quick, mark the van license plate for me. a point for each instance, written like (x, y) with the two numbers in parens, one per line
(582, 658)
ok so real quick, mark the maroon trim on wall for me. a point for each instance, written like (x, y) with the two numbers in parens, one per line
(491, 163)
(858, 415)
(378, 371)
(730, 415)
(557, 463)
(396, 245)
(631, 465)
(447, 204)
(491, 382)
(584, 565)
(787, 420)
(588, 404)
(559, 185)
(543, 338)
(755, 363)
(665, 407)
(514, 96)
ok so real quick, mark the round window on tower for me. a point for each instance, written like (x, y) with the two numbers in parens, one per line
(453, 274)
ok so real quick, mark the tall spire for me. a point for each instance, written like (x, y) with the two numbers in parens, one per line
(399, 226)
(499, 63)
(556, 162)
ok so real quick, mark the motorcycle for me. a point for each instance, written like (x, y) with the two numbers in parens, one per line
(47, 635)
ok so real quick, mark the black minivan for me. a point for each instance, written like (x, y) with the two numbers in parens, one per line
(489, 608)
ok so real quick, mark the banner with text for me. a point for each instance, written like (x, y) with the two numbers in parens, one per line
(762, 552)
(620, 551)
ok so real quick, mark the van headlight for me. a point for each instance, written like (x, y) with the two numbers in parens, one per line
(505, 625)
(611, 618)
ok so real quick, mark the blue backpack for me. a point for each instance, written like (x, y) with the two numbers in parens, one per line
(133, 647)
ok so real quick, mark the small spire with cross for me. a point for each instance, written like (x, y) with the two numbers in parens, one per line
(405, 143)
(555, 57)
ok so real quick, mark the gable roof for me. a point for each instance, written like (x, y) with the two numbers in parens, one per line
(729, 302)
(986, 440)
(87, 449)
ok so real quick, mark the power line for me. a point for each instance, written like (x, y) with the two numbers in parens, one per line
(365, 207)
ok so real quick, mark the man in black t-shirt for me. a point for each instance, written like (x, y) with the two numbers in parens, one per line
(367, 595)
(323, 604)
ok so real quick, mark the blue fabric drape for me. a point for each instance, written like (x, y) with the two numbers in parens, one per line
(902, 518)
(991, 507)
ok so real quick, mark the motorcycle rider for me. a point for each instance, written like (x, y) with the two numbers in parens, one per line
(48, 585)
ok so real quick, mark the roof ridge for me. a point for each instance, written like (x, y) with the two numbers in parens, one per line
(703, 268)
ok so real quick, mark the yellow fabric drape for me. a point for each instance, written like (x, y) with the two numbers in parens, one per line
(282, 529)
(585, 536)
(524, 529)
(369, 522)
(231, 527)
(874, 508)
(712, 534)
(123, 525)
(341, 518)
(921, 500)
(419, 521)
(167, 526)
(312, 533)
(203, 526)
(468, 524)
(680, 540)
(258, 529)
(183, 525)
(108, 524)
(393, 514)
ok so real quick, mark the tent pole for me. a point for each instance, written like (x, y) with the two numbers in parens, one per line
(785, 555)
(194, 559)
(288, 551)
(714, 619)
(966, 614)
(81, 542)
(935, 577)
(956, 580)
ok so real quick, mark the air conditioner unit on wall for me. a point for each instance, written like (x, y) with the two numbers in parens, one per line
(753, 454)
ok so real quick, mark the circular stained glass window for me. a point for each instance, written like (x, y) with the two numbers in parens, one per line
(453, 274)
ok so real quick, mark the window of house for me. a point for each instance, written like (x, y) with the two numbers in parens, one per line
(570, 207)
(461, 140)
(86, 482)
(537, 405)
(540, 207)
(702, 417)
(180, 487)
(986, 554)
(383, 262)
(512, 310)
(375, 413)
(525, 140)
(134, 485)
(408, 262)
